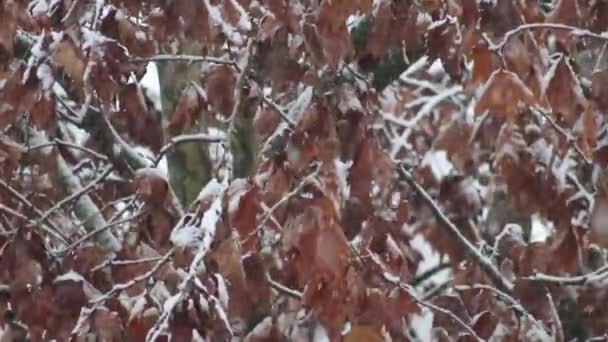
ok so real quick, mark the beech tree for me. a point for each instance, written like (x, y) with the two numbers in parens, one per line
(300, 170)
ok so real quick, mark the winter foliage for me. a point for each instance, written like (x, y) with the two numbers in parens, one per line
(303, 170)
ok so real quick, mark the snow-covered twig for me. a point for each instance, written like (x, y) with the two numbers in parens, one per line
(269, 214)
(185, 59)
(590, 278)
(56, 231)
(20, 216)
(504, 297)
(407, 288)
(569, 139)
(113, 262)
(77, 194)
(96, 303)
(208, 224)
(84, 207)
(58, 142)
(99, 230)
(282, 288)
(186, 138)
(484, 263)
(575, 31)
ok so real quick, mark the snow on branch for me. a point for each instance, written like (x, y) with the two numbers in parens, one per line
(84, 208)
(185, 59)
(186, 138)
(591, 278)
(574, 31)
(483, 262)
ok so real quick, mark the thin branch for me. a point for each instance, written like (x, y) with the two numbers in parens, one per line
(30, 206)
(186, 138)
(269, 214)
(484, 263)
(18, 215)
(569, 139)
(591, 278)
(278, 109)
(113, 262)
(100, 230)
(185, 59)
(505, 297)
(123, 286)
(453, 316)
(98, 302)
(58, 142)
(282, 289)
(559, 330)
(77, 194)
(575, 31)
(430, 272)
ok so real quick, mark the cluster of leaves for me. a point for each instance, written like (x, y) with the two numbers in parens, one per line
(403, 156)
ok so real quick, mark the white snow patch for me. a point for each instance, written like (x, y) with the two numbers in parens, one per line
(541, 228)
(422, 325)
(70, 275)
(45, 75)
(439, 163)
(430, 259)
(150, 83)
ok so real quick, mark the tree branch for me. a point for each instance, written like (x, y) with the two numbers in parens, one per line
(575, 31)
(484, 263)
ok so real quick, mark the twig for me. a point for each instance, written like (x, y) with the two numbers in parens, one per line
(98, 302)
(484, 263)
(559, 331)
(569, 139)
(186, 138)
(77, 194)
(430, 272)
(120, 287)
(505, 297)
(18, 215)
(113, 262)
(466, 327)
(185, 59)
(33, 208)
(305, 181)
(57, 142)
(283, 115)
(535, 26)
(583, 280)
(99, 230)
(282, 288)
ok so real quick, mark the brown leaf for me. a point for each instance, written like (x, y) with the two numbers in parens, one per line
(564, 92)
(152, 186)
(187, 110)
(10, 155)
(503, 95)
(219, 82)
(69, 59)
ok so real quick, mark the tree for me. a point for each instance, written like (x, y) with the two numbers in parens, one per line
(311, 170)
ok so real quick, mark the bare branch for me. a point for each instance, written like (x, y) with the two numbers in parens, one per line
(591, 278)
(569, 139)
(280, 111)
(58, 142)
(185, 59)
(575, 31)
(77, 194)
(282, 289)
(186, 138)
(484, 263)
(84, 207)
(30, 206)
